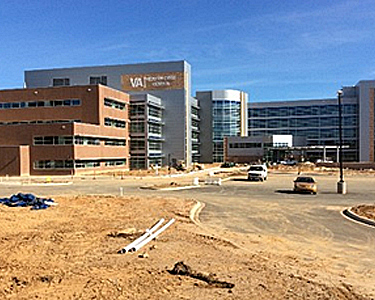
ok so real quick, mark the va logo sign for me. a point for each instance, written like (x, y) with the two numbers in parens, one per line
(137, 82)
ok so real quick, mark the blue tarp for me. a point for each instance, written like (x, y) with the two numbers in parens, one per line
(27, 200)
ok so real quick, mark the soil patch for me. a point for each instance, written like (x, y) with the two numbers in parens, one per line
(365, 210)
(69, 251)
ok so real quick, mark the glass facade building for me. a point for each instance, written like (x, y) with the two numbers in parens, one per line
(226, 122)
(223, 113)
(318, 121)
(146, 131)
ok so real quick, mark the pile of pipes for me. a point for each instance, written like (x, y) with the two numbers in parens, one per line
(148, 236)
(22, 200)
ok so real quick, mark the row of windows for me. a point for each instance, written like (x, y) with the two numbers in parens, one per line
(46, 103)
(318, 133)
(98, 80)
(60, 81)
(245, 145)
(154, 128)
(115, 163)
(139, 110)
(141, 145)
(286, 111)
(40, 122)
(114, 104)
(79, 164)
(114, 142)
(140, 162)
(155, 145)
(76, 140)
(303, 122)
(114, 123)
(155, 112)
(92, 80)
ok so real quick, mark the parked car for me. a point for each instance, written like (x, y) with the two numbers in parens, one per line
(305, 184)
(228, 165)
(257, 172)
(289, 162)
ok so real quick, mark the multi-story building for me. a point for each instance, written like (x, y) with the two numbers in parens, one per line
(223, 113)
(255, 149)
(196, 131)
(168, 81)
(146, 131)
(318, 121)
(63, 130)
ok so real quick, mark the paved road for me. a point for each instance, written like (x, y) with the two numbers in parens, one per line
(310, 224)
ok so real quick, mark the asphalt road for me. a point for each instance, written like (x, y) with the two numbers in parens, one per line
(310, 225)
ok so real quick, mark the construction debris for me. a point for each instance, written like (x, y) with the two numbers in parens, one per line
(181, 269)
(148, 236)
(23, 200)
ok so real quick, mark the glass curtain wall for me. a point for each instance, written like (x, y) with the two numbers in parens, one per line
(226, 122)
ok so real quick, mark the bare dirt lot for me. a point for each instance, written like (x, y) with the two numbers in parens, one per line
(366, 211)
(70, 252)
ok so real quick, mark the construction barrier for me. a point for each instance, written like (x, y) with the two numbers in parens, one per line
(212, 181)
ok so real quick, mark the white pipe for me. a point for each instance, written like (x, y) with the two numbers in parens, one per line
(152, 236)
(141, 238)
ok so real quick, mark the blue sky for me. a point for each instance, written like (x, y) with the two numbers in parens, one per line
(297, 49)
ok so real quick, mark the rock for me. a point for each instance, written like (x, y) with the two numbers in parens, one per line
(143, 255)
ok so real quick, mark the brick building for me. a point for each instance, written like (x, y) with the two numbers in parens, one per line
(63, 130)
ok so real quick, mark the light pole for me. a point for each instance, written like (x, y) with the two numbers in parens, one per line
(341, 185)
(169, 163)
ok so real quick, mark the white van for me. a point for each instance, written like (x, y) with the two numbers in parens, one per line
(257, 172)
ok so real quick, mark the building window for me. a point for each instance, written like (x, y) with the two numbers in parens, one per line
(155, 112)
(115, 123)
(98, 80)
(154, 129)
(137, 127)
(77, 140)
(155, 146)
(137, 145)
(114, 104)
(137, 110)
(60, 81)
(137, 162)
(116, 162)
(53, 164)
(114, 142)
(34, 104)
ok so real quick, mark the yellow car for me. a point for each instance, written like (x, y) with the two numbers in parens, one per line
(305, 184)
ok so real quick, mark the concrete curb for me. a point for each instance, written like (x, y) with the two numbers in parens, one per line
(195, 211)
(179, 188)
(169, 188)
(350, 215)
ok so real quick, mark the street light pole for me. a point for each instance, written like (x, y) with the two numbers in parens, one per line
(341, 185)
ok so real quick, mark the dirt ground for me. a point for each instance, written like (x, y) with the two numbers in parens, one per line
(367, 211)
(69, 251)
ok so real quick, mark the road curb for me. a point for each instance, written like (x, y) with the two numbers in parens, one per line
(349, 214)
(195, 211)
